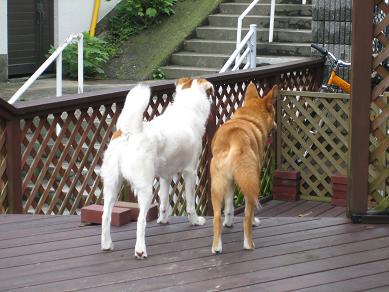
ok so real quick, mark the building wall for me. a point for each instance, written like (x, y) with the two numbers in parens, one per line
(331, 28)
(3, 41)
(73, 16)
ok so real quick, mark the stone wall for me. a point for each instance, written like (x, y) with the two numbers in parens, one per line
(331, 28)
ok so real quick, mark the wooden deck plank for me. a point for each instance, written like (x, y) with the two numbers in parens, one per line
(363, 283)
(302, 209)
(319, 209)
(335, 212)
(340, 267)
(231, 269)
(292, 252)
(197, 246)
(278, 209)
(204, 252)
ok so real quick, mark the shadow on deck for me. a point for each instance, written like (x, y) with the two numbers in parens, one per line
(54, 253)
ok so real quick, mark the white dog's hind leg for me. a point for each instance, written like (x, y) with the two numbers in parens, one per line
(190, 179)
(229, 207)
(144, 200)
(110, 191)
(163, 201)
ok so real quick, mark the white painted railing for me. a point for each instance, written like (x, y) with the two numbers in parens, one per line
(57, 55)
(250, 40)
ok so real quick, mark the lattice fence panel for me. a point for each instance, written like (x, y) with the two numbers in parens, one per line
(379, 118)
(314, 138)
(3, 167)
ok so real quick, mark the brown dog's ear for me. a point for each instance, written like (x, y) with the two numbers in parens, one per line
(270, 97)
(251, 92)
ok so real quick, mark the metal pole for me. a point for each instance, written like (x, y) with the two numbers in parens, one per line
(271, 26)
(59, 75)
(81, 64)
(253, 46)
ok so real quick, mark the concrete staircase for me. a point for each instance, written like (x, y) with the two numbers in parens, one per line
(212, 45)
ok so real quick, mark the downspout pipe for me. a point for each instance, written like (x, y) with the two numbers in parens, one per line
(96, 8)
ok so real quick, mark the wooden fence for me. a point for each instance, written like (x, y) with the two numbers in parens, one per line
(313, 139)
(51, 149)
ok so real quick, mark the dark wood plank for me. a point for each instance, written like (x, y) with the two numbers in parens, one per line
(280, 209)
(364, 283)
(302, 209)
(320, 209)
(335, 212)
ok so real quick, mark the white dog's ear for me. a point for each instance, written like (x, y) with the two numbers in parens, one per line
(184, 82)
(206, 86)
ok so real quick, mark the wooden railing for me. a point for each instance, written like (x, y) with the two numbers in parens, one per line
(51, 149)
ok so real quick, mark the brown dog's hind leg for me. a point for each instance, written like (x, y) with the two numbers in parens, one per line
(246, 176)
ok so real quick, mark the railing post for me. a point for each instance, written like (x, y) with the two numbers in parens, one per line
(271, 26)
(253, 46)
(59, 75)
(81, 64)
(361, 59)
(14, 166)
(210, 132)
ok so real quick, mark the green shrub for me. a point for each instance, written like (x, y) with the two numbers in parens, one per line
(133, 16)
(96, 53)
(158, 74)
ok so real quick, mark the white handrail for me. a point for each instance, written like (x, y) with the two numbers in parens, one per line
(251, 41)
(57, 55)
(240, 20)
(271, 24)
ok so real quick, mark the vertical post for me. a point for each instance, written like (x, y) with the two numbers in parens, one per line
(253, 46)
(361, 59)
(238, 36)
(59, 75)
(14, 166)
(271, 26)
(278, 131)
(210, 132)
(81, 64)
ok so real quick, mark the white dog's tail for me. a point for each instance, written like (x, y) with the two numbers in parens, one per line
(131, 118)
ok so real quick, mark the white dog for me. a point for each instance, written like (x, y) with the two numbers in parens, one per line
(140, 151)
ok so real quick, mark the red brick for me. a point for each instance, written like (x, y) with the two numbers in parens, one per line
(339, 179)
(339, 202)
(285, 182)
(285, 189)
(339, 187)
(151, 215)
(93, 214)
(339, 195)
(285, 197)
(287, 174)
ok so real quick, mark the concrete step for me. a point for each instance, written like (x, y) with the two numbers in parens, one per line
(286, 22)
(229, 33)
(264, 9)
(228, 47)
(193, 59)
(176, 71)
(277, 1)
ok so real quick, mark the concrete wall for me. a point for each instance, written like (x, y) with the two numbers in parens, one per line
(73, 16)
(3, 41)
(331, 28)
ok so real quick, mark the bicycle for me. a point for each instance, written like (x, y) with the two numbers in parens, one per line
(332, 85)
(334, 79)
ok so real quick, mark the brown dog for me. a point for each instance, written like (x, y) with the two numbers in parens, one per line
(237, 150)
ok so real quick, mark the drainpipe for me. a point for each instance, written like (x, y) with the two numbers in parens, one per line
(95, 15)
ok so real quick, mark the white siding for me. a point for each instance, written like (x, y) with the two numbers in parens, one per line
(73, 16)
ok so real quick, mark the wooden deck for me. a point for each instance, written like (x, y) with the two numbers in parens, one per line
(42, 253)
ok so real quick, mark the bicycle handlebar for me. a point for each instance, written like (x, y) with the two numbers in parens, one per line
(326, 53)
(321, 50)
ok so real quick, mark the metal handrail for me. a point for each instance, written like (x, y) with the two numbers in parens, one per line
(57, 55)
(251, 52)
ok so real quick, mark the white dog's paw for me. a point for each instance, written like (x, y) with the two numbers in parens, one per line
(228, 222)
(140, 252)
(197, 220)
(107, 245)
(256, 221)
(162, 219)
(216, 249)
